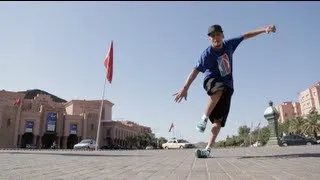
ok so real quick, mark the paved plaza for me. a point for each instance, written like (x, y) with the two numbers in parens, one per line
(300, 162)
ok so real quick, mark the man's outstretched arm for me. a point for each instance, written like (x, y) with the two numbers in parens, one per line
(251, 34)
(192, 76)
(183, 93)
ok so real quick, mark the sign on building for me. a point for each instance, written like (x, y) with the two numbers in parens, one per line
(73, 128)
(29, 126)
(51, 122)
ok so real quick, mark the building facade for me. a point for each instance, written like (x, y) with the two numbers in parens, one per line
(288, 110)
(310, 99)
(307, 100)
(41, 121)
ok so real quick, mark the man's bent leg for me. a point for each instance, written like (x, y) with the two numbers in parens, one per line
(213, 100)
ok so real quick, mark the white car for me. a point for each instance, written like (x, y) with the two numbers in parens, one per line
(176, 144)
(85, 144)
(149, 147)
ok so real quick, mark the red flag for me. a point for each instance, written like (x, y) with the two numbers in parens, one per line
(17, 103)
(108, 63)
(172, 126)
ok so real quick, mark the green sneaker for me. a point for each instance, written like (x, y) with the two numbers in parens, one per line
(201, 126)
(203, 153)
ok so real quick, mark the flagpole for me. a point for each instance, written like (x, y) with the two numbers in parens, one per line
(108, 63)
(173, 131)
(100, 116)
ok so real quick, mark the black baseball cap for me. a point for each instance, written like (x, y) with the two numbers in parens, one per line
(214, 28)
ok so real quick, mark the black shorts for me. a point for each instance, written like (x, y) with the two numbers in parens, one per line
(221, 110)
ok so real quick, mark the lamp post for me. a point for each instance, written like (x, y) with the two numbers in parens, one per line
(271, 115)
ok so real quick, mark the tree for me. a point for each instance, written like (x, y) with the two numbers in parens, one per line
(243, 132)
(283, 128)
(311, 125)
(296, 124)
(264, 135)
(161, 141)
(229, 141)
(132, 140)
(255, 135)
(221, 143)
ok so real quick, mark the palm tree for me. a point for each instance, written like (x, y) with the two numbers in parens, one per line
(296, 124)
(283, 128)
(312, 123)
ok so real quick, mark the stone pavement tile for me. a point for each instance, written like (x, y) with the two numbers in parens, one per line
(198, 176)
(310, 163)
(214, 166)
(226, 166)
(278, 168)
(273, 171)
(250, 169)
(233, 163)
(313, 176)
(241, 176)
(240, 171)
(219, 176)
(176, 169)
(289, 167)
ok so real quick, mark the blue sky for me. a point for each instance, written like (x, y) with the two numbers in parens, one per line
(60, 48)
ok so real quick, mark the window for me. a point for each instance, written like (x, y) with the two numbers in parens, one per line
(8, 122)
(91, 126)
(182, 141)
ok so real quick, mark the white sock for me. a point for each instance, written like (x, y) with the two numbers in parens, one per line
(208, 147)
(205, 118)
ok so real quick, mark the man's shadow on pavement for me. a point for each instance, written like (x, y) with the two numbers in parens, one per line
(301, 155)
(76, 154)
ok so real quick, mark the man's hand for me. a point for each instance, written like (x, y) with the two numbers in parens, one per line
(183, 93)
(251, 34)
(271, 28)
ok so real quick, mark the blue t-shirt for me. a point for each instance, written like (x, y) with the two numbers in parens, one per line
(218, 63)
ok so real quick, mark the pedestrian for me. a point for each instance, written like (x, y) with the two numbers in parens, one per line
(216, 64)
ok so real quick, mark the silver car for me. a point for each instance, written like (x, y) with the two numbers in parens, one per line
(85, 144)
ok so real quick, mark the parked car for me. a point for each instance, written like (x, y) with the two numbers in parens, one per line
(31, 146)
(292, 140)
(177, 144)
(149, 147)
(85, 144)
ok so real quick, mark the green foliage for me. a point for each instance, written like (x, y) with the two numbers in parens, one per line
(243, 131)
(162, 140)
(143, 140)
(309, 125)
(264, 135)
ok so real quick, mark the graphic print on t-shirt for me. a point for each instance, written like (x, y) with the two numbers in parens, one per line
(224, 65)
